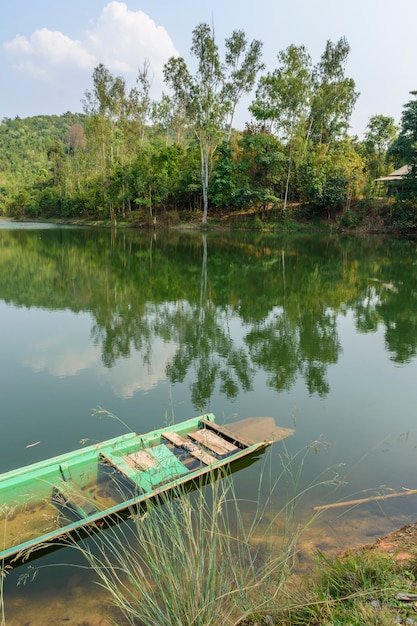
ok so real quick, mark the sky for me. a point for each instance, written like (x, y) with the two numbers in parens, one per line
(49, 48)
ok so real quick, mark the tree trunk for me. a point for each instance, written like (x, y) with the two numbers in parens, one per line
(287, 183)
(204, 180)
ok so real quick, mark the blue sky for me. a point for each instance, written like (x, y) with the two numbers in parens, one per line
(49, 48)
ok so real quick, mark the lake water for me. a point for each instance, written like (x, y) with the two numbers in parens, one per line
(319, 332)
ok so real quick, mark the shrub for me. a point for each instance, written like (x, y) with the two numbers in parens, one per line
(348, 219)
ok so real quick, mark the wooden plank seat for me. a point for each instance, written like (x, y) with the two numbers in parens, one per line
(67, 495)
(213, 442)
(193, 449)
(141, 459)
(121, 464)
(146, 468)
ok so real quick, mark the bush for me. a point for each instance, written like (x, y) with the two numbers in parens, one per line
(404, 216)
(349, 219)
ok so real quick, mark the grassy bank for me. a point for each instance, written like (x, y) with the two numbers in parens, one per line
(361, 587)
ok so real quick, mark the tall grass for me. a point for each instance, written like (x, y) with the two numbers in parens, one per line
(194, 560)
(2, 611)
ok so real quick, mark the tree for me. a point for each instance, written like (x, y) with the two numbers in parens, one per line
(333, 95)
(178, 79)
(404, 149)
(331, 175)
(139, 101)
(223, 180)
(282, 99)
(76, 139)
(58, 169)
(202, 97)
(208, 97)
(260, 168)
(110, 109)
(380, 134)
(156, 173)
(243, 62)
(104, 106)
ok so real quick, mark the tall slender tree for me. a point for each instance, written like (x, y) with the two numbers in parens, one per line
(243, 63)
(282, 100)
(333, 94)
(208, 96)
(140, 102)
(380, 134)
(110, 107)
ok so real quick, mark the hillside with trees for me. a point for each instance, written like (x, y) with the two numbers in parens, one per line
(130, 158)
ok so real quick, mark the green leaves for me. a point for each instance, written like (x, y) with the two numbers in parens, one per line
(210, 97)
(404, 149)
(333, 95)
(282, 96)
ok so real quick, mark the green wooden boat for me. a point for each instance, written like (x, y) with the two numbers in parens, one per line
(47, 504)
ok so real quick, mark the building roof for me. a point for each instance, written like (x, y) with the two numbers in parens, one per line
(397, 174)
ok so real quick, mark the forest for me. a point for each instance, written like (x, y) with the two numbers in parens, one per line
(129, 158)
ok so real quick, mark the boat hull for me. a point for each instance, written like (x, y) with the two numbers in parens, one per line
(59, 500)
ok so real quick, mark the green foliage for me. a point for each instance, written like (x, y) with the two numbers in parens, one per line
(211, 95)
(380, 134)
(308, 105)
(110, 162)
(23, 204)
(331, 176)
(404, 215)
(24, 162)
(333, 95)
(282, 95)
(260, 169)
(348, 219)
(404, 149)
(222, 186)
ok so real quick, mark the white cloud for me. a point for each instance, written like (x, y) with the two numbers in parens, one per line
(58, 355)
(131, 375)
(59, 343)
(121, 39)
(124, 39)
(47, 51)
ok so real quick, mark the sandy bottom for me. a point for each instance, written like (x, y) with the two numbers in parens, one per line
(25, 522)
(71, 607)
(20, 524)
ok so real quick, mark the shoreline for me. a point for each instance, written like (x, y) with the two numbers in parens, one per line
(213, 226)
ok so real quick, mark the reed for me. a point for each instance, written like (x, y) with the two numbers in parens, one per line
(195, 560)
(2, 611)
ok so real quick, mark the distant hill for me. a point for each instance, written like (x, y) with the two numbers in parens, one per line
(24, 143)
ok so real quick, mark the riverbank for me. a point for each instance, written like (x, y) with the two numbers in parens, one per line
(373, 216)
(372, 584)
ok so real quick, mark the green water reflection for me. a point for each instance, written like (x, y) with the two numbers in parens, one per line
(285, 293)
(318, 331)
